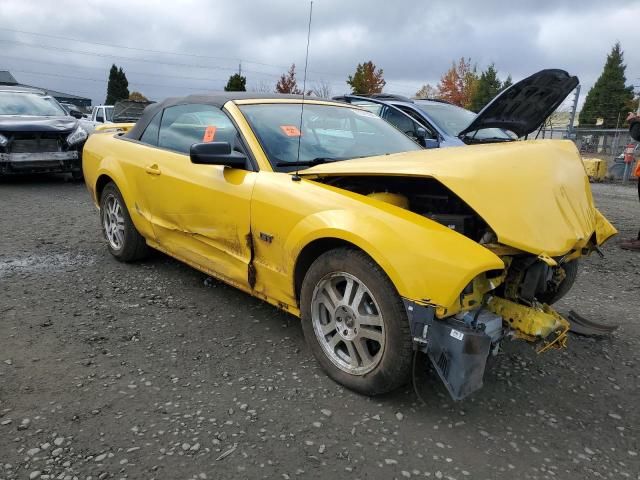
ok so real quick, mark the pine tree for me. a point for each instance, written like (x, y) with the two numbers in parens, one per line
(488, 87)
(123, 86)
(112, 85)
(366, 79)
(236, 83)
(609, 98)
(507, 83)
(117, 86)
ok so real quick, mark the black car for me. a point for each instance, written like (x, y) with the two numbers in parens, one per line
(37, 135)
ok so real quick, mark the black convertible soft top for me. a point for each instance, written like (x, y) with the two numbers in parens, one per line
(218, 99)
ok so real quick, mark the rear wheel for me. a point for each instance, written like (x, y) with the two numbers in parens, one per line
(123, 240)
(355, 323)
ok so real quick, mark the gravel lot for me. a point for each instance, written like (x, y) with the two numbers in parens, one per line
(154, 371)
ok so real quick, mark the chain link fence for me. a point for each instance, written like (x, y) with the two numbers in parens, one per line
(605, 143)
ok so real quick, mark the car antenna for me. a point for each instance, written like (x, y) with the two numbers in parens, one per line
(296, 177)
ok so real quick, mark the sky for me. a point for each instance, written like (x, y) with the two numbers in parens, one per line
(182, 47)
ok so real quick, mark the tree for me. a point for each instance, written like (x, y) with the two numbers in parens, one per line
(117, 86)
(489, 85)
(507, 83)
(236, 83)
(427, 91)
(288, 83)
(366, 79)
(138, 97)
(322, 89)
(459, 83)
(609, 98)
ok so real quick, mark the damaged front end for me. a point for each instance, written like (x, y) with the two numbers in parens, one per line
(529, 204)
(495, 306)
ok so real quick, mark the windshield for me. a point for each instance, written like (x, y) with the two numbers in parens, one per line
(108, 113)
(329, 133)
(453, 119)
(32, 104)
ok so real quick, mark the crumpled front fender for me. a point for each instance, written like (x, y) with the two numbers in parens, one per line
(604, 229)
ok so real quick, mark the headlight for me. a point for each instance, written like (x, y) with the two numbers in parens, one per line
(77, 136)
(3, 140)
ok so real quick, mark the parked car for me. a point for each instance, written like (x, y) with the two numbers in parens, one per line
(37, 135)
(73, 110)
(381, 247)
(516, 112)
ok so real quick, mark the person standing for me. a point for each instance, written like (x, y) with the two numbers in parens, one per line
(634, 131)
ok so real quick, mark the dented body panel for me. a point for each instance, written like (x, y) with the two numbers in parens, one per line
(534, 194)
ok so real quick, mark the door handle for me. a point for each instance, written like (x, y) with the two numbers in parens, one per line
(153, 169)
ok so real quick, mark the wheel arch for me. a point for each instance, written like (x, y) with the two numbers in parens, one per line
(312, 251)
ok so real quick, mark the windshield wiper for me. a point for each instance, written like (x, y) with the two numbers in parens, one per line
(309, 163)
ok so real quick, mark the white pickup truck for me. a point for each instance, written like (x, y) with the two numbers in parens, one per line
(124, 111)
(100, 114)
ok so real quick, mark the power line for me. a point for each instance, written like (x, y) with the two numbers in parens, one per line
(104, 81)
(192, 55)
(147, 50)
(102, 69)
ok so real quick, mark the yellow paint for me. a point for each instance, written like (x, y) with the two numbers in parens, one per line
(392, 198)
(111, 127)
(596, 168)
(534, 195)
(531, 323)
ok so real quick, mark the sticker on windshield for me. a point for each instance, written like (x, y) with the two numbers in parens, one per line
(290, 130)
(209, 134)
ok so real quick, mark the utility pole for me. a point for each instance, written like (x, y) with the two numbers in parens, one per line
(240, 69)
(574, 107)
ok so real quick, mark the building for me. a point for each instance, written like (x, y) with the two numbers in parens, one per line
(7, 79)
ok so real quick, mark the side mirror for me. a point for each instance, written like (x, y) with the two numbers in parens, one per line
(217, 153)
(75, 113)
(431, 143)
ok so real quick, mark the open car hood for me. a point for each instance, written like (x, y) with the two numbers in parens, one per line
(525, 105)
(534, 195)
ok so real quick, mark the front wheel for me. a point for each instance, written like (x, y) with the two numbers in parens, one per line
(123, 240)
(355, 323)
(555, 293)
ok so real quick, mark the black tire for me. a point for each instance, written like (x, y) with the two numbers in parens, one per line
(394, 364)
(551, 296)
(133, 246)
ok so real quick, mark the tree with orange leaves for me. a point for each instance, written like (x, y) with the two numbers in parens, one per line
(459, 83)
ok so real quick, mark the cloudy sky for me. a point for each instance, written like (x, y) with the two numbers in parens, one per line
(181, 47)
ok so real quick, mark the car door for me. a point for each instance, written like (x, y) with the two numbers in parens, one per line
(200, 213)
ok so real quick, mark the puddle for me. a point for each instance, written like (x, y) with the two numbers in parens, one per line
(43, 263)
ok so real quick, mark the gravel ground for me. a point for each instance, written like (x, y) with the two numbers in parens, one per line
(154, 371)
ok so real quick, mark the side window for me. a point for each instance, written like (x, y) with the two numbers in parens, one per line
(416, 116)
(184, 125)
(150, 135)
(402, 122)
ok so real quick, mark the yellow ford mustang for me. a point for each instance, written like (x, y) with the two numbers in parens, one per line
(328, 212)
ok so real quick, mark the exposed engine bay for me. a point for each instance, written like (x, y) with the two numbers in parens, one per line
(424, 196)
(499, 304)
